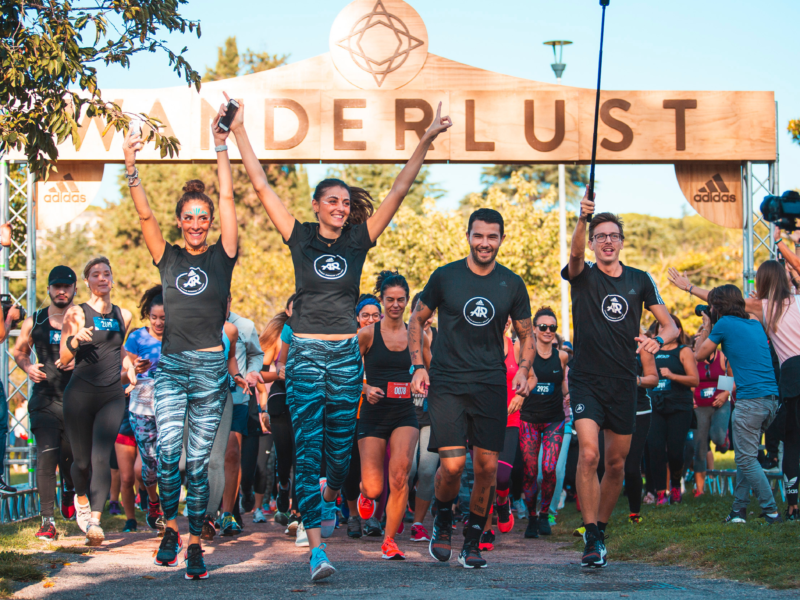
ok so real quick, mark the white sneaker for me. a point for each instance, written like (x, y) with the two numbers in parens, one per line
(83, 512)
(302, 537)
(522, 509)
(258, 516)
(94, 533)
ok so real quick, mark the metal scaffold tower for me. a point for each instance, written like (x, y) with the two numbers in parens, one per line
(17, 265)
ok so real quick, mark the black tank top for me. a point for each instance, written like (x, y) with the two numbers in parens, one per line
(669, 396)
(382, 367)
(46, 340)
(100, 361)
(545, 402)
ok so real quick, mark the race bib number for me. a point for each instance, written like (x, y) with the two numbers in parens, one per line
(101, 324)
(708, 392)
(398, 390)
(55, 337)
(544, 389)
(664, 385)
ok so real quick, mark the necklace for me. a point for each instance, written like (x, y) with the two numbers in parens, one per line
(542, 356)
(321, 239)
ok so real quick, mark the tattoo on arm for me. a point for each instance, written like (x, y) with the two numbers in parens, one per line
(524, 330)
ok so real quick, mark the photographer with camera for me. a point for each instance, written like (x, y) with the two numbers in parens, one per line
(745, 345)
(12, 314)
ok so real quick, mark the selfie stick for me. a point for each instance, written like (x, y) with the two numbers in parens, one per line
(603, 3)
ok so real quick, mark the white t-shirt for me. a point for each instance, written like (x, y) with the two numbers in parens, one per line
(786, 340)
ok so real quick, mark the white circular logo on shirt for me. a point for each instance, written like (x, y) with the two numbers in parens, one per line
(193, 282)
(580, 408)
(330, 266)
(478, 311)
(615, 307)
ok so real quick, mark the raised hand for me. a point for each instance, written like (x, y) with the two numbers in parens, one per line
(679, 280)
(587, 205)
(238, 119)
(132, 144)
(438, 125)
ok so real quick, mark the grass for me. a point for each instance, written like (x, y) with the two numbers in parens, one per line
(692, 534)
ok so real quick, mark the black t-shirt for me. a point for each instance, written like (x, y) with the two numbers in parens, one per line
(473, 311)
(196, 289)
(327, 278)
(46, 340)
(606, 312)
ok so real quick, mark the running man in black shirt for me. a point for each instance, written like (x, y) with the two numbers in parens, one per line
(607, 300)
(467, 402)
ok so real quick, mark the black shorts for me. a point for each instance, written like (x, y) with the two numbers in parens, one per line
(463, 414)
(608, 401)
(381, 423)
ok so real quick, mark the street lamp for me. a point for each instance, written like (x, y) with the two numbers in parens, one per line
(558, 67)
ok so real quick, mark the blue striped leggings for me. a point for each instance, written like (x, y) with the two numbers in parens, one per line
(197, 382)
(323, 386)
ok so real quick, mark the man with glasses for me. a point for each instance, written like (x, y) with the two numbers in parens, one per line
(607, 300)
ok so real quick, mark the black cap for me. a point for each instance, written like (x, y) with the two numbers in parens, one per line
(61, 275)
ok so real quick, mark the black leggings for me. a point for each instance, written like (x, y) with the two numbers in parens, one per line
(633, 464)
(52, 450)
(283, 437)
(791, 448)
(255, 452)
(665, 443)
(92, 416)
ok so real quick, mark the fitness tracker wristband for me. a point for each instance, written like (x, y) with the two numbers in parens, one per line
(69, 344)
(659, 340)
(415, 368)
(222, 148)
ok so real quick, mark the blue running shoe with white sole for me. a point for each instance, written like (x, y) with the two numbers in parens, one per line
(195, 565)
(321, 567)
(171, 545)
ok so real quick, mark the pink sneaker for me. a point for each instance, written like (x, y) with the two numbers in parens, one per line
(419, 534)
(675, 496)
(662, 499)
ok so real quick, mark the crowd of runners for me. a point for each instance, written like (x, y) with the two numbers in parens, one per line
(341, 411)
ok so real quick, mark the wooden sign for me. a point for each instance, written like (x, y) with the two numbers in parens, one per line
(67, 193)
(714, 190)
(376, 91)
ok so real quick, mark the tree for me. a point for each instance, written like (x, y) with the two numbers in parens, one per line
(49, 81)
(378, 180)
(545, 177)
(794, 129)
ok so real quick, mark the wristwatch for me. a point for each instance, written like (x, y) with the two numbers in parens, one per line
(222, 148)
(415, 368)
(659, 340)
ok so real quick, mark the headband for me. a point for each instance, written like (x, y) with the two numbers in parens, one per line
(367, 301)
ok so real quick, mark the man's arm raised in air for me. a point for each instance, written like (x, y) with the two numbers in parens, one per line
(577, 253)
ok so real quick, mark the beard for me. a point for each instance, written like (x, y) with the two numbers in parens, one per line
(478, 261)
(61, 303)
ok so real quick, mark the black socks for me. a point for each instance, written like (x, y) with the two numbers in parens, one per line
(594, 530)
(474, 526)
(444, 510)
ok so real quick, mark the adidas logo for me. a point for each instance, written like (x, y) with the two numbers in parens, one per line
(480, 302)
(633, 291)
(503, 284)
(715, 190)
(65, 191)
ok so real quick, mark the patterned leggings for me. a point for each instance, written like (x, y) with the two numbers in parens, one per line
(197, 382)
(146, 434)
(323, 385)
(532, 436)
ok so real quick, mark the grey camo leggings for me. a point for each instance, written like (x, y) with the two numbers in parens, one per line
(196, 382)
(146, 434)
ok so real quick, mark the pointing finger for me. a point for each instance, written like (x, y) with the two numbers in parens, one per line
(227, 98)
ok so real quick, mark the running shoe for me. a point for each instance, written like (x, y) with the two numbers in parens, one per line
(291, 527)
(737, 516)
(94, 533)
(155, 518)
(649, 498)
(283, 498)
(167, 555)
(487, 541)
(68, 504)
(195, 565)
(635, 518)
(281, 518)
(594, 553)
(320, 566)
(372, 528)
(229, 525)
(302, 537)
(130, 526)
(47, 532)
(354, 527)
(532, 530)
(5, 488)
(773, 520)
(419, 533)
(792, 516)
(579, 532)
(391, 551)
(505, 520)
(259, 516)
(521, 508)
(366, 507)
(272, 507)
(698, 493)
(248, 502)
(114, 508)
(83, 512)
(470, 555)
(675, 495)
(662, 499)
(209, 531)
(544, 524)
(440, 546)
(142, 500)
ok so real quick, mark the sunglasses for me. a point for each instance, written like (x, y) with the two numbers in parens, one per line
(542, 327)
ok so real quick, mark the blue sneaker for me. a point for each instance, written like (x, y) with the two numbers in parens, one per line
(167, 555)
(229, 526)
(328, 525)
(321, 567)
(195, 565)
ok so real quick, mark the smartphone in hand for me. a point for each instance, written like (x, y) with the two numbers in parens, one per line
(230, 112)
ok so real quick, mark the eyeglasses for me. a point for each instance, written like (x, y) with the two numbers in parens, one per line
(602, 237)
(542, 327)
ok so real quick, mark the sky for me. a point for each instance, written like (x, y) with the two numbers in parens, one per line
(677, 45)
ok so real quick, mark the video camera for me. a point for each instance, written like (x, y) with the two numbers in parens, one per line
(7, 304)
(782, 210)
